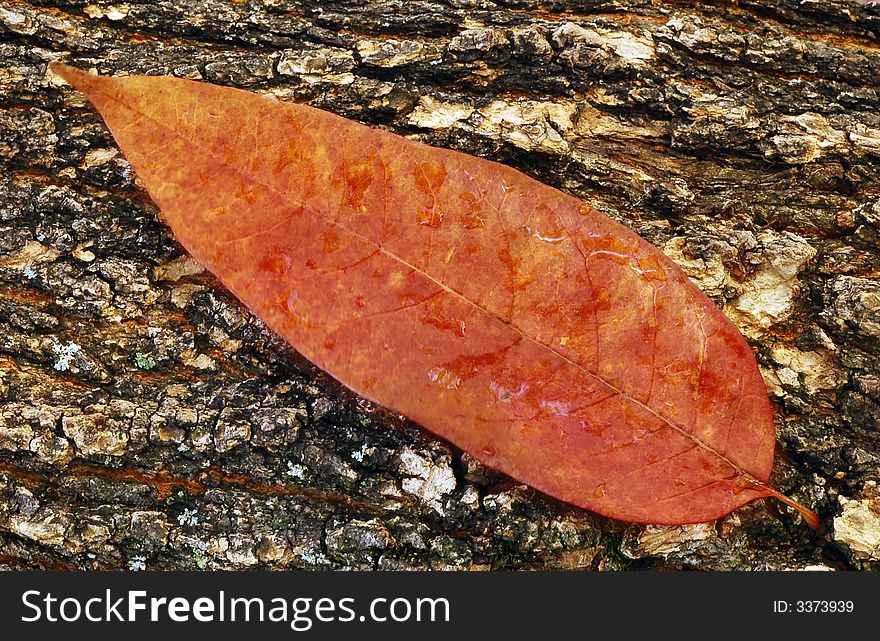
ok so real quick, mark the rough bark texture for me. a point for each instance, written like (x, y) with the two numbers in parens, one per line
(148, 421)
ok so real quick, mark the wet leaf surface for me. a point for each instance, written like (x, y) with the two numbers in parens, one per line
(513, 320)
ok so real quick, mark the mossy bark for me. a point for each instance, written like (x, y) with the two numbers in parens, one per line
(148, 420)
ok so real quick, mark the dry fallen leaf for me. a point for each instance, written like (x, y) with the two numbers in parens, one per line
(514, 320)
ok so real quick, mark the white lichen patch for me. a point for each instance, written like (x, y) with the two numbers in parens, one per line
(858, 526)
(65, 355)
(433, 114)
(297, 471)
(364, 452)
(426, 479)
(31, 254)
(312, 558)
(529, 124)
(188, 517)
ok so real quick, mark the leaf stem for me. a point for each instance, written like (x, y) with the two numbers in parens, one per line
(809, 516)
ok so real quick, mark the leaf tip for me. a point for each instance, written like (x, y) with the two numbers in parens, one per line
(72, 75)
(60, 69)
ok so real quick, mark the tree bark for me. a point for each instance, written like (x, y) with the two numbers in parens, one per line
(147, 420)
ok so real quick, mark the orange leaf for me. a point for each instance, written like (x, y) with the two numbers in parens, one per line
(513, 320)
